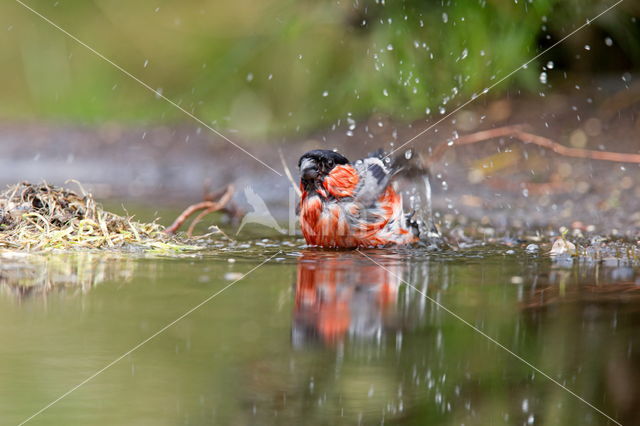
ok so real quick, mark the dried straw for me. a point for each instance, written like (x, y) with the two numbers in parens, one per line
(44, 217)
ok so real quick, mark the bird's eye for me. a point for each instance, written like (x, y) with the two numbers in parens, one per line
(330, 163)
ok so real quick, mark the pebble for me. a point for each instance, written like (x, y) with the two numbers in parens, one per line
(532, 248)
(233, 276)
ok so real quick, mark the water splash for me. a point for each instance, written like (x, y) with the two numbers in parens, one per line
(421, 209)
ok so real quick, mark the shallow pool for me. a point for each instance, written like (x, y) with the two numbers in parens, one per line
(488, 335)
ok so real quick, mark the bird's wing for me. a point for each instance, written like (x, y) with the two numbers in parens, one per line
(374, 177)
(364, 181)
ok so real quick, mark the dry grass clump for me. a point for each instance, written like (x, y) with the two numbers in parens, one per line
(44, 217)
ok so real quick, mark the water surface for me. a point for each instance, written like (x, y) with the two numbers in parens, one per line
(319, 337)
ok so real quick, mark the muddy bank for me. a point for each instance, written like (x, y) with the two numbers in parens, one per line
(497, 184)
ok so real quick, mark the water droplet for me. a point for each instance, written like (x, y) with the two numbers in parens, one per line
(587, 47)
(325, 93)
(146, 63)
(389, 46)
(608, 41)
(408, 154)
(442, 110)
(385, 92)
(550, 65)
(250, 77)
(445, 18)
(543, 77)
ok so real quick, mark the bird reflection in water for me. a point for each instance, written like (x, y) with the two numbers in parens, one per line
(343, 295)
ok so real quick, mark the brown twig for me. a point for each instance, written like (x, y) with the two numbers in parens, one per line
(526, 137)
(207, 206)
(483, 135)
(218, 205)
(185, 215)
(534, 188)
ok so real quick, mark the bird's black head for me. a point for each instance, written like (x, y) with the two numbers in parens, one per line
(316, 164)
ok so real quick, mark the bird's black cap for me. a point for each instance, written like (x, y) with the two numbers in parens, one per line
(324, 156)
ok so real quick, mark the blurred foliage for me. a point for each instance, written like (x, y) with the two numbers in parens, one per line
(280, 67)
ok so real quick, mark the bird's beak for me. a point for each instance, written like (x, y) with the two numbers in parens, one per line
(308, 170)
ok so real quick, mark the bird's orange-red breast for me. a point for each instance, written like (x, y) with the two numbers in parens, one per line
(347, 205)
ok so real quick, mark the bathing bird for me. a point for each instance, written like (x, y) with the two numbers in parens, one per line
(350, 205)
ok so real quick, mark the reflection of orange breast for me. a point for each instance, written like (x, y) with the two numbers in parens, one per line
(334, 320)
(325, 289)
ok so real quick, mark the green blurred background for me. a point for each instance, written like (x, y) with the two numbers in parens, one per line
(277, 68)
